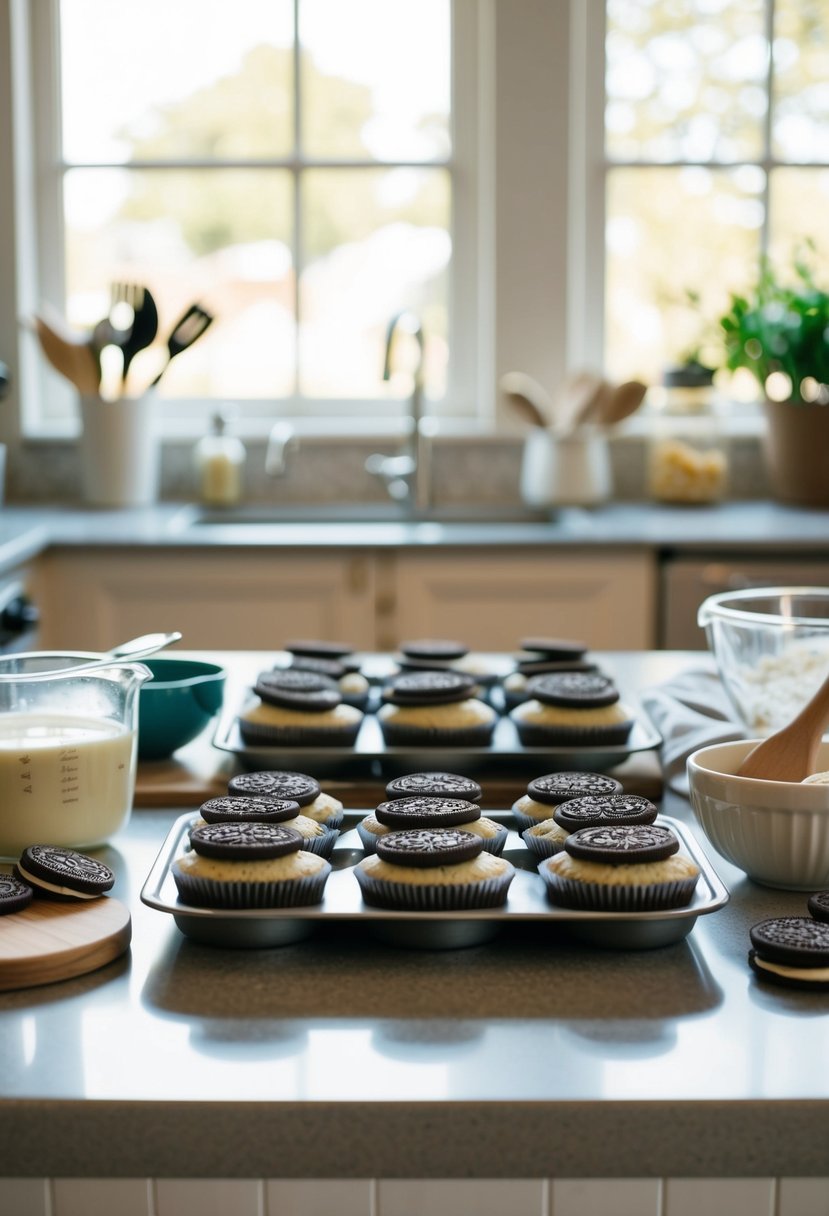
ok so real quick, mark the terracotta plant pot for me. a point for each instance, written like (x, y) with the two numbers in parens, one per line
(797, 452)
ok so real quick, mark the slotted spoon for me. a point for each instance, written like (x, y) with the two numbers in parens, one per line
(790, 754)
(190, 326)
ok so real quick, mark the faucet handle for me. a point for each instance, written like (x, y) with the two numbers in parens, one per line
(281, 441)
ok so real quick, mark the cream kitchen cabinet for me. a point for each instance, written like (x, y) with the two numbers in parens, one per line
(218, 598)
(226, 598)
(492, 598)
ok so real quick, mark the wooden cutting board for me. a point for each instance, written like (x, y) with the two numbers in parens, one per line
(51, 940)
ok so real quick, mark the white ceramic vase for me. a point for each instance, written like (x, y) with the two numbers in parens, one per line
(119, 451)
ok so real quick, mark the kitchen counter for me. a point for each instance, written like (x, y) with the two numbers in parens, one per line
(744, 527)
(531, 1056)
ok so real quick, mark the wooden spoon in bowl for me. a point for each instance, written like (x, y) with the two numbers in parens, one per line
(790, 754)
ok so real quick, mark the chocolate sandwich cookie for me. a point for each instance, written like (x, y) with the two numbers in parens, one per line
(426, 849)
(421, 812)
(63, 873)
(593, 811)
(276, 783)
(245, 841)
(15, 894)
(315, 649)
(429, 688)
(554, 788)
(440, 650)
(232, 809)
(818, 905)
(434, 785)
(792, 951)
(622, 844)
(583, 690)
(294, 689)
(552, 648)
(332, 668)
(540, 667)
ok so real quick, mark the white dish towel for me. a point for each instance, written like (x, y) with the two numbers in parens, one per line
(689, 711)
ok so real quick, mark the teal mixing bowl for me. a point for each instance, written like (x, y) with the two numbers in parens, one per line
(177, 704)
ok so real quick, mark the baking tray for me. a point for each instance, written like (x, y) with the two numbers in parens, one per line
(342, 901)
(371, 756)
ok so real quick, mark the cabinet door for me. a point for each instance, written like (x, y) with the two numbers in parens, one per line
(218, 599)
(491, 599)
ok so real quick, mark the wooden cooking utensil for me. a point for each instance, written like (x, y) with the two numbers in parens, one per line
(527, 397)
(622, 402)
(51, 940)
(790, 754)
(73, 359)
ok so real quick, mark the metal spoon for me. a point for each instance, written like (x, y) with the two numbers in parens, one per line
(138, 648)
(790, 754)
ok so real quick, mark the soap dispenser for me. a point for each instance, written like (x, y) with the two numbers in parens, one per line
(220, 464)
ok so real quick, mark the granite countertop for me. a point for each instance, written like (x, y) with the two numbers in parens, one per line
(745, 526)
(532, 1055)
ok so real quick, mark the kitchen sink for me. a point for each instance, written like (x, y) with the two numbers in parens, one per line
(264, 517)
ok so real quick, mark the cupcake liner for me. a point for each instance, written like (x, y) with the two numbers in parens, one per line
(530, 821)
(541, 846)
(459, 897)
(532, 735)
(367, 839)
(334, 820)
(596, 897)
(298, 736)
(322, 845)
(289, 893)
(495, 844)
(403, 736)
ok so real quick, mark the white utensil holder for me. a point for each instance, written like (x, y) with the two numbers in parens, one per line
(565, 469)
(119, 451)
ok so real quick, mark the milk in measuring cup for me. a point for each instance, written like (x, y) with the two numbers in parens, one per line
(64, 779)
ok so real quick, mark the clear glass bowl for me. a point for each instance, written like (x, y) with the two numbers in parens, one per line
(771, 648)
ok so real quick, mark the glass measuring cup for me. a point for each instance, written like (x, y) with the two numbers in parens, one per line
(67, 750)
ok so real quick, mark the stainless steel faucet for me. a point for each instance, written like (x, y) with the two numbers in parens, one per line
(408, 474)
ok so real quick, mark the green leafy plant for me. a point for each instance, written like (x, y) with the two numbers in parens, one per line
(781, 329)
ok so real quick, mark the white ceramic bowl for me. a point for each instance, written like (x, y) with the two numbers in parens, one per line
(771, 647)
(776, 831)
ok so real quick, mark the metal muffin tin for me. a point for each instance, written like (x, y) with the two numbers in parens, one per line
(342, 901)
(371, 756)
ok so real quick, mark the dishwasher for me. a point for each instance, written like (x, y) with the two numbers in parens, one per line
(687, 580)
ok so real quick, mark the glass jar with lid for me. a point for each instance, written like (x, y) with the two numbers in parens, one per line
(687, 459)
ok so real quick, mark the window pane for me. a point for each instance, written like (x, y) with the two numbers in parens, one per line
(685, 80)
(188, 78)
(670, 232)
(222, 237)
(375, 241)
(375, 79)
(799, 212)
(801, 80)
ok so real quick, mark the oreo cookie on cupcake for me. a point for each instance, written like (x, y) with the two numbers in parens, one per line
(249, 865)
(620, 868)
(246, 809)
(432, 708)
(423, 870)
(572, 709)
(543, 839)
(792, 951)
(334, 660)
(545, 793)
(436, 813)
(434, 785)
(546, 656)
(294, 708)
(297, 787)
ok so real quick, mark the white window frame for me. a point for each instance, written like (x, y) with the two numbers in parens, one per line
(523, 99)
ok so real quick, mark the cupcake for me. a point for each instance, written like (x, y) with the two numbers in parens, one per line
(514, 687)
(545, 793)
(432, 708)
(422, 870)
(352, 684)
(549, 836)
(437, 654)
(249, 865)
(572, 709)
(420, 811)
(298, 709)
(316, 837)
(620, 868)
(298, 787)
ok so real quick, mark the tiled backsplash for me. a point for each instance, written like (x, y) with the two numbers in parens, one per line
(470, 470)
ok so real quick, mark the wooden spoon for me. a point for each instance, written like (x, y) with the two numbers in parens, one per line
(623, 401)
(527, 397)
(790, 754)
(73, 359)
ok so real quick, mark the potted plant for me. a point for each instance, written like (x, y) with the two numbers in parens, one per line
(780, 333)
